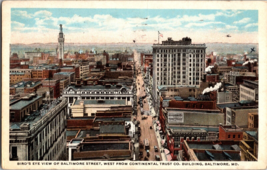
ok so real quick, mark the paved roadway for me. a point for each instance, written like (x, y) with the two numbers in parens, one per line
(146, 132)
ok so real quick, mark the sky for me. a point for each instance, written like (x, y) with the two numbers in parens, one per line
(41, 25)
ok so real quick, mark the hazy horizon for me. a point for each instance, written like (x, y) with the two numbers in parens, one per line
(219, 48)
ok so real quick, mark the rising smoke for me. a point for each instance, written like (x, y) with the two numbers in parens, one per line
(208, 69)
(210, 89)
(250, 61)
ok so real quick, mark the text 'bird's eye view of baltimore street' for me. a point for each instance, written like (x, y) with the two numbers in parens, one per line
(133, 85)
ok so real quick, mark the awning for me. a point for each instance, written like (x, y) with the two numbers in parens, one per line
(166, 151)
(169, 157)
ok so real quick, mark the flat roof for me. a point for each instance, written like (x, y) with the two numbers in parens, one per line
(218, 156)
(97, 87)
(64, 73)
(253, 82)
(210, 146)
(24, 84)
(91, 132)
(71, 132)
(208, 129)
(173, 86)
(105, 146)
(34, 117)
(67, 67)
(16, 73)
(117, 102)
(115, 119)
(224, 105)
(23, 103)
(110, 129)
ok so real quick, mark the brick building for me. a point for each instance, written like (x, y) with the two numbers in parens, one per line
(71, 69)
(24, 107)
(253, 120)
(16, 77)
(230, 132)
(16, 62)
(210, 151)
(55, 84)
(212, 78)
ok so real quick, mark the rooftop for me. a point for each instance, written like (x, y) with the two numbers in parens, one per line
(84, 133)
(96, 87)
(254, 134)
(23, 103)
(232, 128)
(206, 128)
(240, 67)
(66, 67)
(115, 119)
(71, 132)
(217, 156)
(64, 73)
(208, 145)
(105, 146)
(164, 87)
(112, 128)
(224, 105)
(101, 102)
(35, 116)
(16, 73)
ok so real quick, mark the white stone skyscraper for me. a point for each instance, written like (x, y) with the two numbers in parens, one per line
(61, 39)
(177, 63)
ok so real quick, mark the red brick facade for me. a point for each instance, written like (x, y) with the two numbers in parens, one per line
(231, 134)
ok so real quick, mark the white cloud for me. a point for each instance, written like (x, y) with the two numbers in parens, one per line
(231, 27)
(227, 13)
(42, 14)
(16, 24)
(251, 25)
(242, 21)
(199, 17)
(23, 14)
(201, 24)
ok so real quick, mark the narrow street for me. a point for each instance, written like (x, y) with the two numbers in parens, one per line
(145, 124)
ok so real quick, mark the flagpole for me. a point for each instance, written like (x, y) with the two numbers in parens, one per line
(158, 37)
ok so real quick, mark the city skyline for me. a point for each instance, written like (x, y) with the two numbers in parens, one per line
(141, 25)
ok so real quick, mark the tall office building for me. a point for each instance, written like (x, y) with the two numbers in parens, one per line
(61, 39)
(177, 63)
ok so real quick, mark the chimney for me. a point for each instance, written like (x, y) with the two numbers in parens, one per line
(60, 64)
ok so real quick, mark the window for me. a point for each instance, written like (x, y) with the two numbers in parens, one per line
(14, 152)
(228, 136)
(233, 136)
(238, 136)
(12, 116)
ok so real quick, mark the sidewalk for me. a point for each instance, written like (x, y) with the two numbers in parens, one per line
(153, 113)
